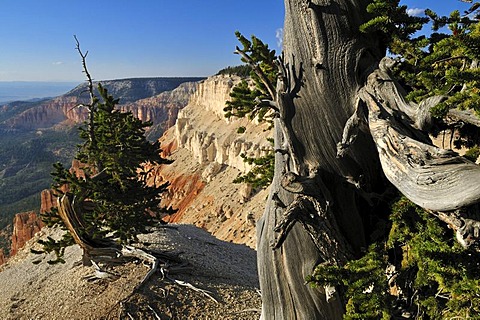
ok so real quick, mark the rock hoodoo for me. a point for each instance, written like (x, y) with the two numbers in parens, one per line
(25, 225)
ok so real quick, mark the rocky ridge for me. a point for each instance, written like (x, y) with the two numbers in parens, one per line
(34, 289)
(206, 148)
(206, 151)
(161, 108)
(44, 130)
(202, 128)
(133, 89)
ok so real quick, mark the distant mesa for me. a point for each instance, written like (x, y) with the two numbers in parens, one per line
(130, 90)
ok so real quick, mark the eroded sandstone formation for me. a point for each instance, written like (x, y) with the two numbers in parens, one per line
(47, 200)
(206, 149)
(202, 128)
(25, 225)
(161, 109)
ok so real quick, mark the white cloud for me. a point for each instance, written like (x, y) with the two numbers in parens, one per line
(57, 63)
(279, 36)
(416, 12)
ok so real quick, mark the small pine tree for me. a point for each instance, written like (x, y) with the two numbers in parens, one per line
(112, 201)
(247, 97)
(115, 182)
(250, 97)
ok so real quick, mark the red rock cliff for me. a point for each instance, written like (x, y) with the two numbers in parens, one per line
(25, 225)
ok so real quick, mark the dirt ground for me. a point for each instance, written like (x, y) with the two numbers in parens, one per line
(226, 271)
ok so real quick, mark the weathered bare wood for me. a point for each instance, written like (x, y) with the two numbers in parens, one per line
(283, 271)
(325, 57)
(206, 293)
(69, 212)
(322, 42)
(351, 129)
(100, 251)
(466, 116)
(433, 178)
(320, 224)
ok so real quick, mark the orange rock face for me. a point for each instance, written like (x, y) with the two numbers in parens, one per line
(25, 225)
(47, 201)
(3, 259)
(168, 148)
(182, 192)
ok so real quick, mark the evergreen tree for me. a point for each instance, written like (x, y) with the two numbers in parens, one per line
(251, 98)
(115, 182)
(110, 202)
(247, 98)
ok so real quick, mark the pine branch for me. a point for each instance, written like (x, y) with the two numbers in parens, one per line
(270, 87)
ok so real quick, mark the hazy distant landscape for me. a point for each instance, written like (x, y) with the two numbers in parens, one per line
(27, 90)
(32, 138)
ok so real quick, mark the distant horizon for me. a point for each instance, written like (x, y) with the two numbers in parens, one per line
(24, 91)
(94, 80)
(13, 91)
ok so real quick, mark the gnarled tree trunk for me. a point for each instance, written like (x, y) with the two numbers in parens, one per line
(326, 54)
(344, 134)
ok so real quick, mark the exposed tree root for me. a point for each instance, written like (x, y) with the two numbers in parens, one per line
(206, 293)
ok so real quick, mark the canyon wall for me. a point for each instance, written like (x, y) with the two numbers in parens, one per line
(202, 128)
(157, 100)
(161, 108)
(206, 149)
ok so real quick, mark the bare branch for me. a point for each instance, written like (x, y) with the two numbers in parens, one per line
(429, 176)
(93, 100)
(85, 70)
(449, 59)
(266, 103)
(466, 116)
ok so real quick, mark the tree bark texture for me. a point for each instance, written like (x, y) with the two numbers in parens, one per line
(328, 59)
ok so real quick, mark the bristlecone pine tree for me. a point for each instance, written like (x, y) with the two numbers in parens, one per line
(110, 202)
(382, 223)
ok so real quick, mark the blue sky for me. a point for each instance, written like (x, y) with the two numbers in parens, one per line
(142, 38)
(442, 7)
